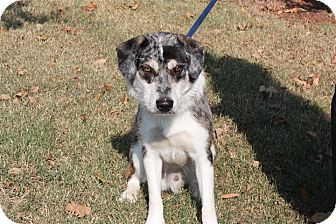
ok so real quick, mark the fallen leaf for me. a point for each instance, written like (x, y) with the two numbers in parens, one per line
(84, 117)
(51, 162)
(303, 192)
(181, 17)
(8, 184)
(101, 178)
(319, 217)
(107, 87)
(190, 15)
(233, 154)
(91, 6)
(21, 71)
(22, 93)
(76, 209)
(43, 37)
(242, 27)
(134, 6)
(61, 11)
(312, 134)
(100, 62)
(34, 89)
(255, 163)
(300, 82)
(69, 30)
(4, 97)
(15, 171)
(32, 100)
(232, 195)
(314, 79)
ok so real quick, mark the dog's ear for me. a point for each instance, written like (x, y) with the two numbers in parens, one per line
(127, 53)
(195, 51)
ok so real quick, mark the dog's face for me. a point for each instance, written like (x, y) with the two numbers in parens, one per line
(161, 69)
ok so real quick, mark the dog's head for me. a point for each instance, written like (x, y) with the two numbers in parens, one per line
(163, 70)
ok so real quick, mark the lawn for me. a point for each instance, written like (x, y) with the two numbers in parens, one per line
(65, 115)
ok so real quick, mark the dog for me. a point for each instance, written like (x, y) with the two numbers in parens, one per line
(172, 142)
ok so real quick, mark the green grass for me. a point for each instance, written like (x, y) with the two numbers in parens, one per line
(269, 52)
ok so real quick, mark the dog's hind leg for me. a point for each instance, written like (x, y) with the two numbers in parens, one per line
(133, 184)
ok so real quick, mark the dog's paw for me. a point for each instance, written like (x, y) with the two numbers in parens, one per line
(130, 194)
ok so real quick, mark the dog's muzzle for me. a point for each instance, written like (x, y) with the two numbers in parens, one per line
(164, 104)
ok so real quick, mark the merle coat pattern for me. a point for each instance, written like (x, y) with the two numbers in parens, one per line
(172, 144)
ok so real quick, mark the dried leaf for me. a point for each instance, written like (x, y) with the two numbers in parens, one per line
(69, 30)
(255, 163)
(190, 15)
(107, 87)
(181, 17)
(34, 89)
(100, 62)
(21, 71)
(303, 192)
(22, 93)
(134, 5)
(15, 171)
(84, 117)
(43, 37)
(101, 178)
(233, 154)
(76, 209)
(218, 132)
(91, 6)
(4, 97)
(319, 217)
(312, 134)
(232, 195)
(51, 162)
(314, 79)
(300, 82)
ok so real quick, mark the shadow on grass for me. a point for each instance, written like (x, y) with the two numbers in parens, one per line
(276, 127)
(16, 15)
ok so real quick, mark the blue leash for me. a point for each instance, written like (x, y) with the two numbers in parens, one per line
(200, 19)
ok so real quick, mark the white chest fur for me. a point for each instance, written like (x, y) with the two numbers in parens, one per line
(174, 137)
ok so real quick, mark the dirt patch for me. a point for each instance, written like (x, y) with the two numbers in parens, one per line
(307, 11)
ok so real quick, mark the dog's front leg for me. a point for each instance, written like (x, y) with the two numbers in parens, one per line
(153, 169)
(205, 178)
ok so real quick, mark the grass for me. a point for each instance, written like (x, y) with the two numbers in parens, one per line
(73, 130)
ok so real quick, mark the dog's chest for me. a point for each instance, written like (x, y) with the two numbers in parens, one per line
(174, 137)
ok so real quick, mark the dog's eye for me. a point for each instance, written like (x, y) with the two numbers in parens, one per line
(178, 69)
(146, 68)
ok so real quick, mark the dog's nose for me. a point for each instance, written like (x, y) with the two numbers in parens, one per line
(164, 104)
